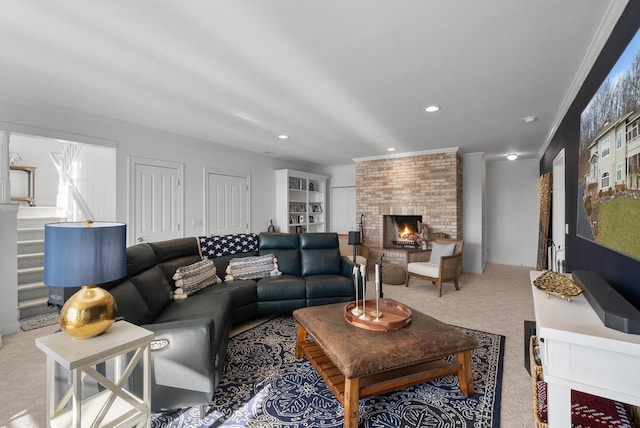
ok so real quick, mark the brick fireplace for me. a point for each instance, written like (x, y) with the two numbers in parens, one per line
(422, 184)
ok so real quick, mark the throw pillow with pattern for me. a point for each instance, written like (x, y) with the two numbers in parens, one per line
(252, 267)
(194, 277)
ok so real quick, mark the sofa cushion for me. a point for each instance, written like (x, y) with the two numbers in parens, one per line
(175, 253)
(320, 254)
(140, 258)
(252, 267)
(281, 288)
(328, 286)
(198, 305)
(155, 289)
(194, 277)
(285, 247)
(175, 248)
(129, 303)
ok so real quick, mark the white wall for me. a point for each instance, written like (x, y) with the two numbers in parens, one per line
(512, 212)
(24, 118)
(342, 184)
(473, 206)
(8, 276)
(137, 141)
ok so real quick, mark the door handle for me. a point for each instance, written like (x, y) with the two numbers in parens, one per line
(140, 239)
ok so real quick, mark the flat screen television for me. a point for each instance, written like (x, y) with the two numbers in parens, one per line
(609, 159)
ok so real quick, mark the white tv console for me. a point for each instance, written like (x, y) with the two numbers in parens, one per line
(578, 352)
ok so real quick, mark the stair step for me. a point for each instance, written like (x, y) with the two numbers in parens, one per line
(30, 233)
(34, 307)
(32, 291)
(31, 247)
(32, 260)
(31, 222)
(32, 285)
(33, 302)
(30, 275)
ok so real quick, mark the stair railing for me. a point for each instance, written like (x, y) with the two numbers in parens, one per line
(63, 163)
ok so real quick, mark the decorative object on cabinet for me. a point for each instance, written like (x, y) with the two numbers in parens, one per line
(31, 182)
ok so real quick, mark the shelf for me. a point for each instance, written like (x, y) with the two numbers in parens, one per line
(309, 194)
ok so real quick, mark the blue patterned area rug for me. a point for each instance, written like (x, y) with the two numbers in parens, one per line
(264, 385)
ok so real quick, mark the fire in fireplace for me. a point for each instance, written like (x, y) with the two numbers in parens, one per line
(400, 231)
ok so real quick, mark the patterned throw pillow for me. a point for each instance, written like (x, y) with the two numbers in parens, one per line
(252, 267)
(194, 277)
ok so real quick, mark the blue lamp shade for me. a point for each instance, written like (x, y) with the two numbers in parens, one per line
(84, 253)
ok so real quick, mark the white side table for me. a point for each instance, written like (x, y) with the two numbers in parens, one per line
(115, 406)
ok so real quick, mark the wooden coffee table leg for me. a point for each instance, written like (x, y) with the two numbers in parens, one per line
(351, 397)
(465, 374)
(300, 339)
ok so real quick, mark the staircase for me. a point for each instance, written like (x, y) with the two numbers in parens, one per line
(33, 294)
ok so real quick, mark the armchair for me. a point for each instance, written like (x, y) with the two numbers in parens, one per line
(443, 265)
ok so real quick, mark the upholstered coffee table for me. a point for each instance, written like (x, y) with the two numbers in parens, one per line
(357, 363)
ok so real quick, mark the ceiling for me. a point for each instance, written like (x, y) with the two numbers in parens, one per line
(343, 79)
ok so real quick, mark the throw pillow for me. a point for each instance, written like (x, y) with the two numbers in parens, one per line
(252, 267)
(194, 277)
(440, 250)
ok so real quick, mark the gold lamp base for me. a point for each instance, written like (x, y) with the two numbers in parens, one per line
(88, 313)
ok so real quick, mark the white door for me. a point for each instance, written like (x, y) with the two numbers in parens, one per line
(226, 202)
(343, 209)
(156, 200)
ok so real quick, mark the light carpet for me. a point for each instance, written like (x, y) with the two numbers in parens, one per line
(265, 385)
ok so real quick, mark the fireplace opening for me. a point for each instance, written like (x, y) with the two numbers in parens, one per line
(400, 231)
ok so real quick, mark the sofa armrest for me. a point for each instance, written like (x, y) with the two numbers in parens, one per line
(347, 271)
(183, 355)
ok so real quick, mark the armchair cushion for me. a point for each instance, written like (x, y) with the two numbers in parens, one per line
(440, 250)
(432, 270)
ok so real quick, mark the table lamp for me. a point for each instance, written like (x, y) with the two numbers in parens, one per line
(355, 240)
(83, 254)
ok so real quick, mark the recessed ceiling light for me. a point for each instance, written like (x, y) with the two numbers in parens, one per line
(283, 137)
(431, 109)
(512, 156)
(391, 149)
(530, 119)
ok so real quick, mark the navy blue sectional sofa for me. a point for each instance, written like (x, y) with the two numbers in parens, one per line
(191, 334)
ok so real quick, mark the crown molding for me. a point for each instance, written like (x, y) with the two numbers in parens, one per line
(408, 154)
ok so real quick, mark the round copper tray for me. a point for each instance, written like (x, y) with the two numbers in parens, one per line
(395, 315)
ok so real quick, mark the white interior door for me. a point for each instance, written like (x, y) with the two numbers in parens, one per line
(343, 209)
(156, 200)
(226, 202)
(558, 228)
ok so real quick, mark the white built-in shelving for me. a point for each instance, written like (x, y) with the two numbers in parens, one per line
(300, 201)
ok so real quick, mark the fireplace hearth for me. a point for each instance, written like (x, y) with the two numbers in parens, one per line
(401, 231)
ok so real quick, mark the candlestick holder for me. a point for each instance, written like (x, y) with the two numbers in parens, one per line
(364, 316)
(356, 311)
(376, 313)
